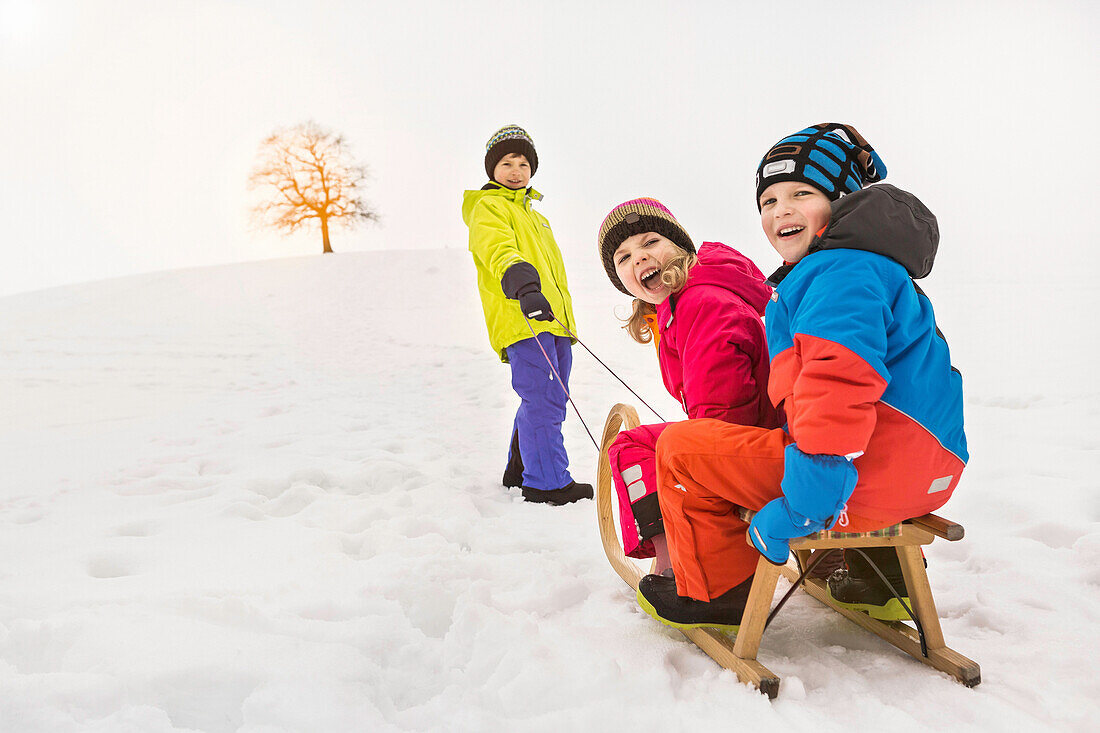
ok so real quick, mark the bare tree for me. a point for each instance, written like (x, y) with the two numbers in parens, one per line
(310, 174)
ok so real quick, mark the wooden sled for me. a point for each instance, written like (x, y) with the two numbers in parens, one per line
(738, 654)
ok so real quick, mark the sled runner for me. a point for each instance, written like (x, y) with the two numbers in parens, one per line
(738, 654)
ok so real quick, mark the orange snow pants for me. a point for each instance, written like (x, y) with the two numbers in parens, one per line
(706, 469)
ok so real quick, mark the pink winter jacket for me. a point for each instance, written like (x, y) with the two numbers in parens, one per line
(714, 359)
(712, 351)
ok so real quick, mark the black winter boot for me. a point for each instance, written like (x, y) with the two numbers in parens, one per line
(557, 497)
(513, 472)
(658, 597)
(832, 560)
(861, 589)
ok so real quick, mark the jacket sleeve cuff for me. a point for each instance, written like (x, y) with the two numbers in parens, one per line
(520, 279)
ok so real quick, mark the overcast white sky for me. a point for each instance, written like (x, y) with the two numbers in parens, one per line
(128, 128)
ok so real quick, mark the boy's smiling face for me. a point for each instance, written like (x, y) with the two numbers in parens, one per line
(638, 262)
(792, 213)
(513, 171)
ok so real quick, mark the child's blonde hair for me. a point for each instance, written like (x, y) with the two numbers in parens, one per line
(674, 276)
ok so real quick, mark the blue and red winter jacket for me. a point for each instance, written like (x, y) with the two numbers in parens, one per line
(858, 363)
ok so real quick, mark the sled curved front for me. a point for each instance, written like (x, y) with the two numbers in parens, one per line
(716, 644)
(621, 417)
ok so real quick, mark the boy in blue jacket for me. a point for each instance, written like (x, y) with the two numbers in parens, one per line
(874, 408)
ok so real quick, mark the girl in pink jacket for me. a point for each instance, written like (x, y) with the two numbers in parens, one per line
(702, 309)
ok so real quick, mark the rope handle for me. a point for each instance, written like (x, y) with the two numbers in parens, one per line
(560, 382)
(605, 366)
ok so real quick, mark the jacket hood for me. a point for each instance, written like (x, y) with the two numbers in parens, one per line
(727, 268)
(885, 220)
(519, 195)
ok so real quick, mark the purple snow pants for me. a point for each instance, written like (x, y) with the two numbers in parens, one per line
(541, 409)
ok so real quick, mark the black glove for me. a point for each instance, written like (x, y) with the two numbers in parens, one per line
(535, 305)
(521, 282)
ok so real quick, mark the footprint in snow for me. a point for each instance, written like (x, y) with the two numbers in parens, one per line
(136, 529)
(292, 501)
(1055, 536)
(28, 515)
(109, 565)
(280, 443)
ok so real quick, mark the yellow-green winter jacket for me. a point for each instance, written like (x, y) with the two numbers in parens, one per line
(504, 230)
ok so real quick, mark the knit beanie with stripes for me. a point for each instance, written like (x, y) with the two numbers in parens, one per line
(637, 216)
(832, 157)
(509, 139)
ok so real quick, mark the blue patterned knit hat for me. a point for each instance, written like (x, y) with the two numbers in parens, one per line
(509, 139)
(832, 157)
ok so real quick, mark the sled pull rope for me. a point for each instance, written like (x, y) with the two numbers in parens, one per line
(560, 382)
(794, 586)
(822, 556)
(890, 587)
(605, 366)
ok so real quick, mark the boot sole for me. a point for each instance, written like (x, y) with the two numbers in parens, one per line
(556, 502)
(891, 611)
(651, 611)
(553, 498)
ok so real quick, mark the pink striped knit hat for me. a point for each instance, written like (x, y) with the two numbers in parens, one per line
(637, 216)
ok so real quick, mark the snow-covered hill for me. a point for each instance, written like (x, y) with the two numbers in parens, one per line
(266, 497)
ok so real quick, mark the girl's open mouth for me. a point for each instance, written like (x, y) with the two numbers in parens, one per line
(651, 280)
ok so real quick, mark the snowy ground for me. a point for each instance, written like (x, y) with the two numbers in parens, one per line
(266, 497)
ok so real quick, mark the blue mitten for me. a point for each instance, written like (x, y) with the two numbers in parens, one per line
(815, 490)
